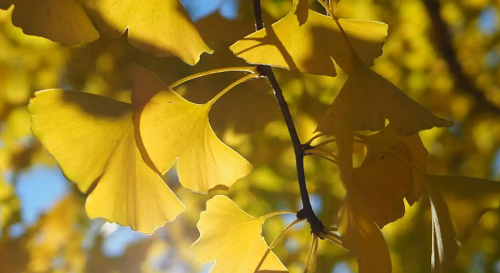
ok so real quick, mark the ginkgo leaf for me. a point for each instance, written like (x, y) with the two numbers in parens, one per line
(409, 149)
(302, 11)
(444, 244)
(361, 236)
(233, 239)
(393, 169)
(172, 127)
(312, 46)
(62, 21)
(367, 99)
(467, 199)
(92, 139)
(457, 203)
(160, 27)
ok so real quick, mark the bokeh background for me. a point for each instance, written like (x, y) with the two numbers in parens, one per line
(442, 53)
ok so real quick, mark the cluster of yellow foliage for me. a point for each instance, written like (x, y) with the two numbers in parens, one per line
(117, 141)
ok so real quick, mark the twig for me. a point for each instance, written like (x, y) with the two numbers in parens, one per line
(306, 212)
(442, 38)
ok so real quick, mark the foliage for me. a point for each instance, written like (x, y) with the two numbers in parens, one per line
(159, 121)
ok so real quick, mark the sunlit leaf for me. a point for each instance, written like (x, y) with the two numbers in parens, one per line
(313, 46)
(92, 139)
(233, 239)
(160, 27)
(362, 236)
(172, 127)
(62, 21)
(367, 99)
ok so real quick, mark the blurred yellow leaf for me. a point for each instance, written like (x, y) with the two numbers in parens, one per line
(92, 139)
(233, 239)
(362, 236)
(160, 27)
(9, 206)
(313, 46)
(172, 127)
(367, 99)
(62, 21)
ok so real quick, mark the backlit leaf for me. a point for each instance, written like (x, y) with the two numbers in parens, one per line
(457, 203)
(312, 46)
(92, 139)
(467, 199)
(362, 236)
(233, 239)
(62, 21)
(172, 127)
(160, 27)
(394, 168)
(367, 99)
(444, 244)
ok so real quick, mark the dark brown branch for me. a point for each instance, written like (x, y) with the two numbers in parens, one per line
(443, 41)
(266, 71)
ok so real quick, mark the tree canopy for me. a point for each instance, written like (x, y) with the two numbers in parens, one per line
(249, 136)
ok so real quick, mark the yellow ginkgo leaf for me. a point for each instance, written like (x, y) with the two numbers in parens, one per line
(92, 139)
(394, 168)
(62, 21)
(361, 236)
(367, 99)
(160, 27)
(172, 127)
(313, 46)
(467, 199)
(444, 245)
(457, 203)
(233, 239)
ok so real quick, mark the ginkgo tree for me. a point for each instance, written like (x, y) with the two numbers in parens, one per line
(118, 151)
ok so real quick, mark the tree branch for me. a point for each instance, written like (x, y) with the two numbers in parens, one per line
(306, 212)
(443, 41)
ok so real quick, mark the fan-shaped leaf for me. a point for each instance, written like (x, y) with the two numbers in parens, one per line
(367, 99)
(362, 236)
(233, 239)
(313, 45)
(92, 139)
(160, 27)
(62, 21)
(172, 127)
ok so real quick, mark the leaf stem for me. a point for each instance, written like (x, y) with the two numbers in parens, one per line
(210, 72)
(321, 155)
(231, 86)
(266, 71)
